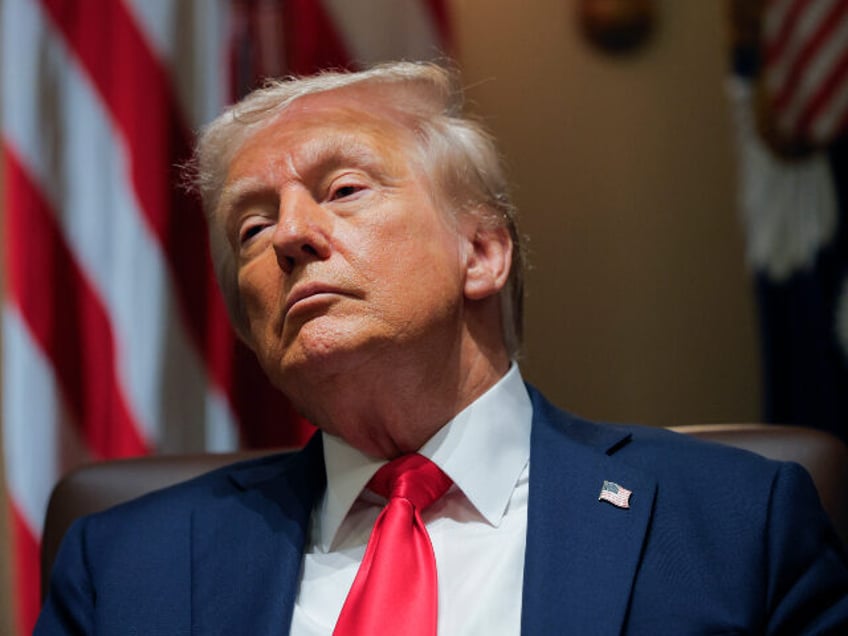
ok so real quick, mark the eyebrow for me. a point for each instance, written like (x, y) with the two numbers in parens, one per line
(239, 189)
(236, 192)
(325, 154)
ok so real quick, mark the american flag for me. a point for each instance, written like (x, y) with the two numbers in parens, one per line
(795, 205)
(805, 46)
(615, 494)
(115, 336)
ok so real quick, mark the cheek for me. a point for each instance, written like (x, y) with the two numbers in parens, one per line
(416, 267)
(260, 290)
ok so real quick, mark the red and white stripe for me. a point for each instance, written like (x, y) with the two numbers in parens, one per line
(115, 336)
(806, 67)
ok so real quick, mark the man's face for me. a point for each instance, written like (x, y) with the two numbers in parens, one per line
(343, 258)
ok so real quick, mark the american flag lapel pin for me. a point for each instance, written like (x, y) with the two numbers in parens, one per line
(615, 494)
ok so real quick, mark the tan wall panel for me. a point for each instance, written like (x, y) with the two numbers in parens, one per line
(638, 301)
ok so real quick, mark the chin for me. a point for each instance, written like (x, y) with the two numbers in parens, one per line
(313, 356)
(326, 339)
(327, 348)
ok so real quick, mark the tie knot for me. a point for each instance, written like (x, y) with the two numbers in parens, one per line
(412, 477)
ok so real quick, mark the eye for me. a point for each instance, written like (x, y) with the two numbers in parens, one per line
(346, 187)
(250, 228)
(344, 191)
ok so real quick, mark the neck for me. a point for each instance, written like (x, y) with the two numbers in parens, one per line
(394, 403)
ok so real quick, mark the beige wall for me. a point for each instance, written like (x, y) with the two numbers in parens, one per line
(638, 304)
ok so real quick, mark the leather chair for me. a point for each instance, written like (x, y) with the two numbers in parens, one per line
(98, 486)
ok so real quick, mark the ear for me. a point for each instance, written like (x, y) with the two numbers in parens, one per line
(488, 260)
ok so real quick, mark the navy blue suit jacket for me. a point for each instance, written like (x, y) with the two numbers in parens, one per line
(716, 541)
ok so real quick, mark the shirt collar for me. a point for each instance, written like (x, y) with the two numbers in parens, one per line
(493, 431)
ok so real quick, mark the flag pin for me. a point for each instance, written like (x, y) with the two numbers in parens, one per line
(615, 494)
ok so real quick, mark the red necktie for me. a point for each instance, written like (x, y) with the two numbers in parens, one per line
(395, 590)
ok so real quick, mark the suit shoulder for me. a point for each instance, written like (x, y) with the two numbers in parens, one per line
(176, 500)
(683, 452)
(655, 450)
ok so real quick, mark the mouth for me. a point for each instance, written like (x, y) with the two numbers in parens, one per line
(309, 294)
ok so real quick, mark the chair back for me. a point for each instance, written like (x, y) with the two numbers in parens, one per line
(97, 486)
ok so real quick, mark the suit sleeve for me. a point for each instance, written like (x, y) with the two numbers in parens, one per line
(807, 577)
(69, 606)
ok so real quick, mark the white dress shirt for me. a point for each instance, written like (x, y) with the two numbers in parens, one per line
(478, 528)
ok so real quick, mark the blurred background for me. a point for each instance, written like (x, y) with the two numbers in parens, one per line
(686, 245)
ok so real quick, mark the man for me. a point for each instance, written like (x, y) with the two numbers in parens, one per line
(369, 255)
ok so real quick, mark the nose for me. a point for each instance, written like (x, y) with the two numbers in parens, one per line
(302, 233)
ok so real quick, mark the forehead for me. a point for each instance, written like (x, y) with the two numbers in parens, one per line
(336, 126)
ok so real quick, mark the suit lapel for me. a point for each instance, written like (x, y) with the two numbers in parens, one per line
(582, 554)
(247, 545)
